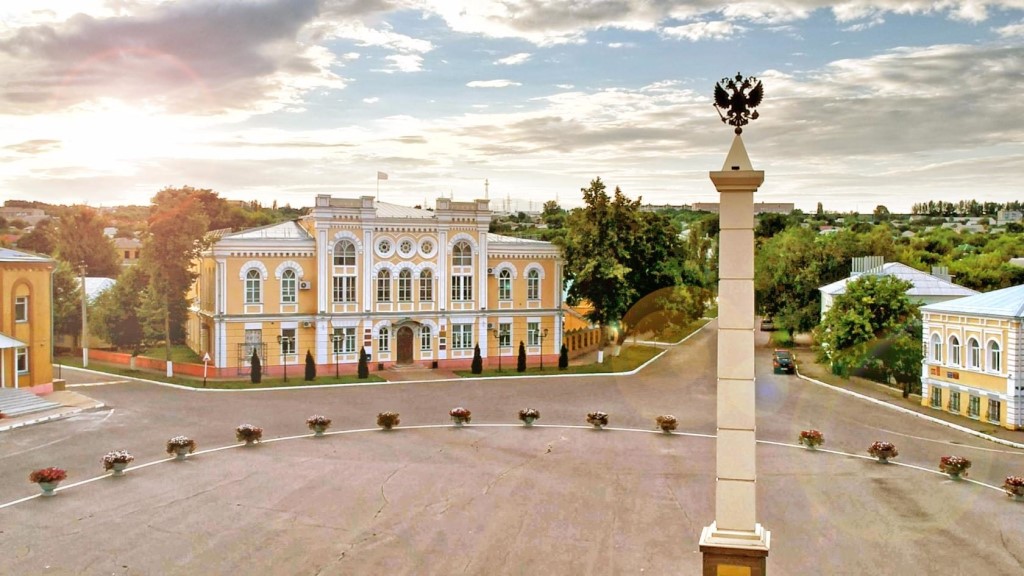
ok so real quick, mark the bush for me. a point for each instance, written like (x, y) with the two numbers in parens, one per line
(477, 366)
(256, 374)
(310, 367)
(364, 368)
(563, 357)
(521, 362)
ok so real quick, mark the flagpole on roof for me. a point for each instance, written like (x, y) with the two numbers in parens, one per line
(380, 176)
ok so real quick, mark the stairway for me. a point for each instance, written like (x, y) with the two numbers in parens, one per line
(17, 402)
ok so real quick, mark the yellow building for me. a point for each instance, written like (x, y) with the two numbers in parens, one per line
(974, 359)
(25, 320)
(410, 286)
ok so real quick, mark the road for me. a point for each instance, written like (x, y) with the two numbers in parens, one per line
(498, 499)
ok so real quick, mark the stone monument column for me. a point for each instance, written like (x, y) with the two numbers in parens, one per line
(735, 544)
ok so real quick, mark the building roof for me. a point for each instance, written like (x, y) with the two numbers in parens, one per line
(498, 238)
(1008, 302)
(8, 255)
(282, 231)
(388, 210)
(924, 284)
(96, 285)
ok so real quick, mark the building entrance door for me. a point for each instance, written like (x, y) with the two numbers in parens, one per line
(404, 337)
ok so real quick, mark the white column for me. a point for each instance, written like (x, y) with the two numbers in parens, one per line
(735, 525)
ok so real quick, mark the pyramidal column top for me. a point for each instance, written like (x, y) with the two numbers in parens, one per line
(737, 158)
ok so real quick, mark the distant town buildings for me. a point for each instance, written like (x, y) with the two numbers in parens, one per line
(759, 207)
(128, 250)
(30, 216)
(1009, 216)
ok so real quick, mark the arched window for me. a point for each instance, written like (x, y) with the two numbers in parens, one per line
(462, 254)
(426, 286)
(288, 286)
(936, 348)
(973, 354)
(504, 285)
(384, 286)
(384, 340)
(533, 285)
(425, 338)
(954, 351)
(405, 285)
(995, 357)
(344, 253)
(253, 287)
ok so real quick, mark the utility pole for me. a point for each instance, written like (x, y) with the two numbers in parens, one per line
(85, 320)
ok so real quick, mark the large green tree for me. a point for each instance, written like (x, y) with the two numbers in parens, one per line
(177, 226)
(67, 300)
(872, 327)
(79, 240)
(42, 238)
(115, 313)
(616, 253)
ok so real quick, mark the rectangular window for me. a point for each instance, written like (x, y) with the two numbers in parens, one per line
(504, 335)
(995, 358)
(505, 285)
(462, 336)
(405, 286)
(533, 286)
(253, 343)
(288, 293)
(21, 360)
(344, 289)
(994, 407)
(384, 287)
(974, 406)
(462, 288)
(425, 338)
(21, 309)
(936, 397)
(426, 287)
(384, 340)
(954, 401)
(533, 333)
(344, 340)
(288, 341)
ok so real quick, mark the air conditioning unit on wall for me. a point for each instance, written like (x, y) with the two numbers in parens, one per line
(490, 325)
(490, 271)
(305, 285)
(307, 324)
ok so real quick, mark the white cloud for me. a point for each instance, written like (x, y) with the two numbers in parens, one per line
(492, 83)
(621, 44)
(697, 31)
(565, 86)
(404, 63)
(861, 26)
(1011, 30)
(514, 59)
(372, 100)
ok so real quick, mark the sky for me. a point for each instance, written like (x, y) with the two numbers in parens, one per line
(891, 102)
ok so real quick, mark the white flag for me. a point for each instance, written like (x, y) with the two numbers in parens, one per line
(382, 176)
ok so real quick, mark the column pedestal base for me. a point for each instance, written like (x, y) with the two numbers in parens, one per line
(734, 553)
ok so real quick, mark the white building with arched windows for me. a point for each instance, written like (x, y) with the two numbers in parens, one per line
(409, 286)
(974, 357)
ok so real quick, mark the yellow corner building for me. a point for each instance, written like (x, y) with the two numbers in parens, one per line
(412, 287)
(25, 320)
(973, 357)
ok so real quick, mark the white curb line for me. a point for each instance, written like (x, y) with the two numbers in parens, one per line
(51, 417)
(938, 421)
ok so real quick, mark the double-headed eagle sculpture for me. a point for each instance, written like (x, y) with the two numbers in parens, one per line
(737, 108)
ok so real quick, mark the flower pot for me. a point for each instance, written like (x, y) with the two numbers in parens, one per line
(318, 430)
(528, 421)
(119, 468)
(387, 426)
(597, 426)
(250, 441)
(458, 423)
(48, 487)
(882, 459)
(954, 475)
(810, 446)
(181, 453)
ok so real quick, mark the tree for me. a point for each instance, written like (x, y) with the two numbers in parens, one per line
(615, 253)
(310, 367)
(177, 225)
(872, 328)
(820, 210)
(256, 371)
(553, 215)
(478, 362)
(364, 368)
(881, 214)
(521, 361)
(563, 357)
(41, 239)
(770, 224)
(80, 240)
(115, 313)
(67, 300)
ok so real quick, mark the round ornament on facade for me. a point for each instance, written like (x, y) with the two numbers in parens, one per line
(407, 248)
(385, 248)
(427, 248)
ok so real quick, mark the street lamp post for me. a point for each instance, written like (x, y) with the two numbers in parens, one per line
(543, 334)
(497, 336)
(283, 343)
(336, 338)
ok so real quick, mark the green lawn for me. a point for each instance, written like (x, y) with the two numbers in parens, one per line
(630, 358)
(677, 333)
(225, 384)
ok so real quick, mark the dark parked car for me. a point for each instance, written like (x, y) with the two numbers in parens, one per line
(782, 361)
